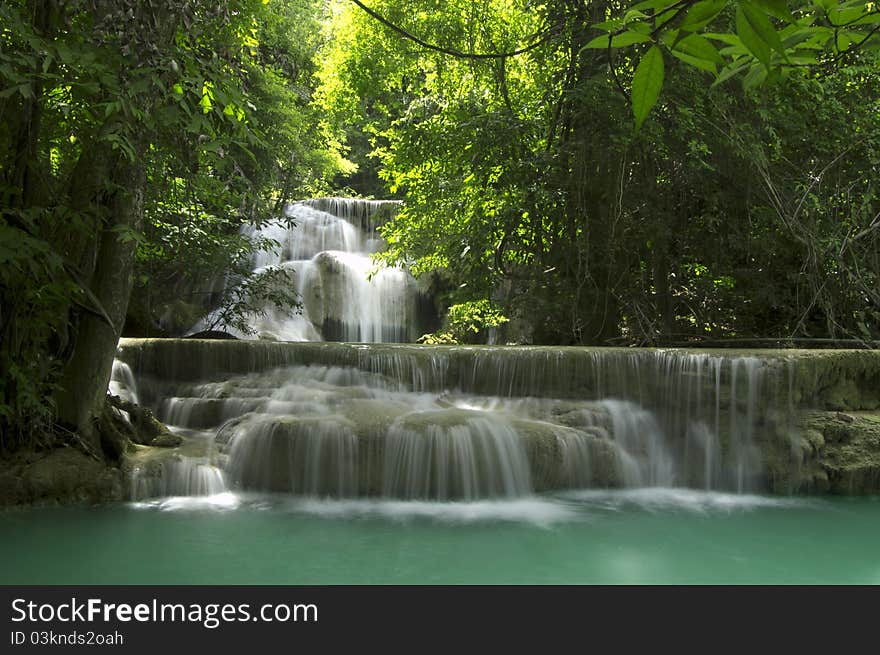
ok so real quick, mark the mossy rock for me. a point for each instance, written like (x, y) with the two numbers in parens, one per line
(166, 440)
(58, 477)
(848, 451)
(372, 418)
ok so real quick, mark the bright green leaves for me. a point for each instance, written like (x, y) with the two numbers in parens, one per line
(646, 85)
(757, 32)
(465, 321)
(207, 100)
(760, 40)
(234, 111)
(701, 14)
(699, 52)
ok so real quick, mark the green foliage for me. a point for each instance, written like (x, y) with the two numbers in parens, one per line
(251, 295)
(524, 181)
(161, 126)
(197, 205)
(466, 323)
(33, 285)
(767, 40)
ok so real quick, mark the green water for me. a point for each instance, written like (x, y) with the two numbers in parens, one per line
(629, 537)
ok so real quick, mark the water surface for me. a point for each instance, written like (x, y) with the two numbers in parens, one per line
(639, 536)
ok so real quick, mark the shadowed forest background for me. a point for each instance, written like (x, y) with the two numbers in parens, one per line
(572, 172)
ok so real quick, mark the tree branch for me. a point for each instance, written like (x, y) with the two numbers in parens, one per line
(541, 39)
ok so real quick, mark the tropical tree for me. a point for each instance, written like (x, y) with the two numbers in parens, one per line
(116, 111)
(519, 136)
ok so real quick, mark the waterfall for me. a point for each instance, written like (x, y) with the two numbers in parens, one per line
(332, 415)
(443, 455)
(327, 245)
(122, 384)
(177, 476)
(465, 422)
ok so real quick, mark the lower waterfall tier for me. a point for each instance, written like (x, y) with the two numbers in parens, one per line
(335, 420)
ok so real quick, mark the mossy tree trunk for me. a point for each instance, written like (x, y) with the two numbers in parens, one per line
(105, 262)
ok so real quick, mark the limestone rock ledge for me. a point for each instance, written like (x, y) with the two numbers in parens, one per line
(850, 455)
(833, 452)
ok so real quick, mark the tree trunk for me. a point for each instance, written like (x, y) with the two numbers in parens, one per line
(83, 385)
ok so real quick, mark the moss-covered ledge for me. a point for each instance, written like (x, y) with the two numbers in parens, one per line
(60, 476)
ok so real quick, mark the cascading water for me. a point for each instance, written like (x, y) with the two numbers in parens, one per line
(327, 245)
(444, 423)
(191, 472)
(439, 423)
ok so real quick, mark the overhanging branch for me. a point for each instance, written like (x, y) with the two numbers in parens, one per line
(541, 38)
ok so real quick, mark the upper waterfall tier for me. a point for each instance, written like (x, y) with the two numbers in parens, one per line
(327, 243)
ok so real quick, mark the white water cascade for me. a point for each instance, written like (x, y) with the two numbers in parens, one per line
(401, 421)
(416, 422)
(327, 245)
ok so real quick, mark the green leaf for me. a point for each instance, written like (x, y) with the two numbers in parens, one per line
(730, 39)
(755, 77)
(761, 25)
(701, 14)
(732, 69)
(633, 15)
(750, 38)
(640, 28)
(792, 38)
(619, 41)
(869, 19)
(696, 62)
(840, 16)
(804, 59)
(609, 26)
(777, 9)
(646, 85)
(700, 47)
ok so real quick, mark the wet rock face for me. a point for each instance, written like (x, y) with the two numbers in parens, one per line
(838, 380)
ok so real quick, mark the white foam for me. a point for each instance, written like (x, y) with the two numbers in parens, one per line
(222, 501)
(662, 499)
(537, 511)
